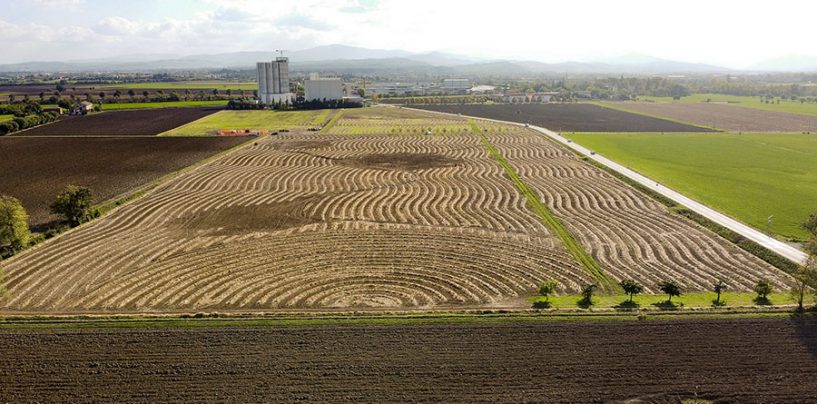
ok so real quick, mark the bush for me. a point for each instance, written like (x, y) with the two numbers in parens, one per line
(763, 288)
(75, 204)
(548, 288)
(14, 232)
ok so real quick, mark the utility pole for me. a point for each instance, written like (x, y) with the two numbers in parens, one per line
(769, 225)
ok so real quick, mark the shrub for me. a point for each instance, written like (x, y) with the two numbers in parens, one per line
(548, 288)
(75, 204)
(14, 231)
(763, 288)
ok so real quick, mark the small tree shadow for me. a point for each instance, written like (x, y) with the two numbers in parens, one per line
(628, 305)
(720, 303)
(762, 301)
(584, 303)
(667, 305)
(541, 305)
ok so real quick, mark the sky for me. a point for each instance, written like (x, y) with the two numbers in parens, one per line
(728, 33)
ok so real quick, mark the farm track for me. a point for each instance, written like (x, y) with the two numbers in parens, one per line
(725, 360)
(311, 221)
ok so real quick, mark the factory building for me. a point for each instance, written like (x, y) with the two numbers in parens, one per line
(320, 89)
(273, 81)
(456, 85)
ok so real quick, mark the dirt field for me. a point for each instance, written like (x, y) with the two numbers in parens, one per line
(568, 117)
(325, 221)
(656, 361)
(147, 122)
(36, 169)
(728, 117)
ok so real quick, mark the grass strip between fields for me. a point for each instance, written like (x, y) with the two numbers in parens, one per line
(549, 219)
(332, 122)
(663, 118)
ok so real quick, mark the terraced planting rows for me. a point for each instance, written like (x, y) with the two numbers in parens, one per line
(630, 235)
(308, 222)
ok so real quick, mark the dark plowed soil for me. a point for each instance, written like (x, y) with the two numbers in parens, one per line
(568, 117)
(36, 169)
(142, 122)
(727, 360)
(247, 219)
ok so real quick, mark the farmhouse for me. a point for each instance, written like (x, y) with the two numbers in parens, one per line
(82, 108)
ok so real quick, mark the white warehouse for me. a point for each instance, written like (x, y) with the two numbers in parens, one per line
(319, 88)
(273, 81)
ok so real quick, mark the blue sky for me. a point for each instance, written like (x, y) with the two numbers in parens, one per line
(726, 32)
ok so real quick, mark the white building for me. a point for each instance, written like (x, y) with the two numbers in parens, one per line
(319, 88)
(273, 81)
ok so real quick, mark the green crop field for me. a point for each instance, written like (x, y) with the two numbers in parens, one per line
(743, 101)
(151, 105)
(193, 85)
(5, 117)
(253, 120)
(748, 177)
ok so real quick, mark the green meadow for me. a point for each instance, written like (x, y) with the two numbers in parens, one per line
(253, 120)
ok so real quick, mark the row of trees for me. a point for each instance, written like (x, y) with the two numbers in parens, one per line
(74, 205)
(25, 122)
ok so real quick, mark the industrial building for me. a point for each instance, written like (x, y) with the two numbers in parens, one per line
(456, 85)
(273, 82)
(323, 89)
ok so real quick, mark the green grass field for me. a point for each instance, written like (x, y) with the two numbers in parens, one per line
(743, 101)
(193, 85)
(5, 117)
(694, 299)
(254, 120)
(151, 105)
(748, 177)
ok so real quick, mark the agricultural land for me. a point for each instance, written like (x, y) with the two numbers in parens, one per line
(725, 116)
(725, 360)
(143, 122)
(747, 176)
(435, 217)
(252, 120)
(167, 104)
(569, 117)
(775, 105)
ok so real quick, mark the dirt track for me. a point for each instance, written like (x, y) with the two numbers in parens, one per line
(727, 360)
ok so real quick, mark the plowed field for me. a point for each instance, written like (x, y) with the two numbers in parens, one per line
(568, 117)
(728, 117)
(727, 360)
(339, 221)
(144, 122)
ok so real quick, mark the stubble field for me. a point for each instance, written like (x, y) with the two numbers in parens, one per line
(340, 221)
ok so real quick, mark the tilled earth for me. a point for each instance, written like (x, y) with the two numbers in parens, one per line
(140, 122)
(725, 360)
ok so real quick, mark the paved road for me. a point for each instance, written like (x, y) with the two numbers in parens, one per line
(788, 251)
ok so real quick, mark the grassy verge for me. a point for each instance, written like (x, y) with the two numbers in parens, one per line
(691, 300)
(551, 221)
(332, 122)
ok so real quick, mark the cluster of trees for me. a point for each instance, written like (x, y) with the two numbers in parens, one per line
(299, 104)
(74, 204)
(25, 122)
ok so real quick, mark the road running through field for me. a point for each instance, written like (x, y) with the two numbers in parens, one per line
(785, 250)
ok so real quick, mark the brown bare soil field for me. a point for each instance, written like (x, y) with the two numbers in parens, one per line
(35, 169)
(317, 222)
(628, 233)
(568, 117)
(655, 361)
(728, 117)
(145, 122)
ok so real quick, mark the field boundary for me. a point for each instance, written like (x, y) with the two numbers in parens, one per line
(549, 219)
(335, 118)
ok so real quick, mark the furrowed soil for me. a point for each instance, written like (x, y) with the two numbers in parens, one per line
(36, 169)
(728, 117)
(568, 117)
(144, 122)
(657, 361)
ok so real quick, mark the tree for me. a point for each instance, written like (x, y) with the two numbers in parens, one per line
(804, 278)
(631, 288)
(131, 93)
(811, 227)
(719, 287)
(75, 204)
(763, 287)
(671, 288)
(587, 295)
(14, 232)
(548, 288)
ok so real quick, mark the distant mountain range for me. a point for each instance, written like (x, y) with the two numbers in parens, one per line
(348, 59)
